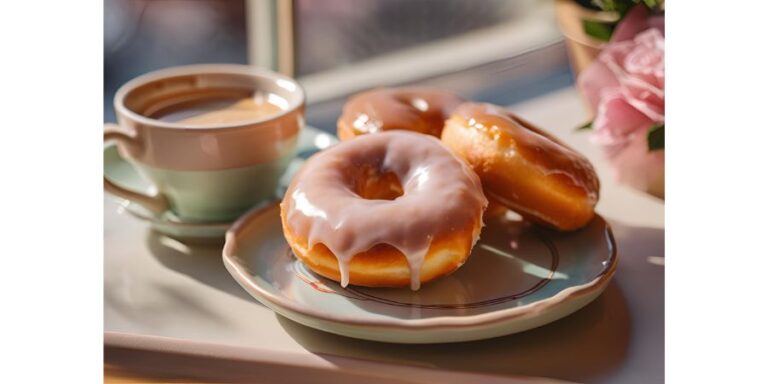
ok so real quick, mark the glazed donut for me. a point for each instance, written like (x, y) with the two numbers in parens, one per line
(417, 109)
(523, 167)
(387, 210)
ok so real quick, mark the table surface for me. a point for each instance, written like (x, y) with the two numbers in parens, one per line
(157, 286)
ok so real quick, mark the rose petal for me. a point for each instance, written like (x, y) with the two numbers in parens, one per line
(634, 21)
(615, 54)
(644, 97)
(657, 22)
(635, 166)
(617, 121)
(647, 62)
(593, 80)
(651, 38)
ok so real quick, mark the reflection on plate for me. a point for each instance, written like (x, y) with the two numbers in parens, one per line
(519, 277)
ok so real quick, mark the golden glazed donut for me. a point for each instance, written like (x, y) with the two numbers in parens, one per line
(387, 210)
(523, 167)
(417, 109)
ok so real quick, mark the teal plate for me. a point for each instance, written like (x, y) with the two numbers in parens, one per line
(119, 170)
(518, 277)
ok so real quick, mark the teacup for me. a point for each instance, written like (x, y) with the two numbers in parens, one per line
(213, 139)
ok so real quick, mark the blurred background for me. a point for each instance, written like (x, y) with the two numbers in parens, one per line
(491, 50)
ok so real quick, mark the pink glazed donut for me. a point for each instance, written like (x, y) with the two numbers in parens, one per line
(393, 209)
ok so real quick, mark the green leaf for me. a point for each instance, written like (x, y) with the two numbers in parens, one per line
(598, 29)
(623, 6)
(656, 138)
(585, 126)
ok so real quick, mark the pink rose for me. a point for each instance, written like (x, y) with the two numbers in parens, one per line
(634, 166)
(625, 89)
(635, 69)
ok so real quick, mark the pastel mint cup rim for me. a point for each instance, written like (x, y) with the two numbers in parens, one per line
(282, 81)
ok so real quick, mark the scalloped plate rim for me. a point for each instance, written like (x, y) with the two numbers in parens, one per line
(293, 310)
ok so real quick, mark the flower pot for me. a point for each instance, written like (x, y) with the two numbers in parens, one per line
(582, 48)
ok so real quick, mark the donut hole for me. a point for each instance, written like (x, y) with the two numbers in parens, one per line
(374, 184)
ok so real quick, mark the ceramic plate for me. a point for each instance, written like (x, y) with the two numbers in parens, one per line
(118, 169)
(518, 277)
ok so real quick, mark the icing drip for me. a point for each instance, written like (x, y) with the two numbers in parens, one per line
(439, 193)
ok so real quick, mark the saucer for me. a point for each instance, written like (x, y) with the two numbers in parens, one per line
(118, 169)
(518, 277)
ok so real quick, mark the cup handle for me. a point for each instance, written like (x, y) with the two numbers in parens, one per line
(157, 203)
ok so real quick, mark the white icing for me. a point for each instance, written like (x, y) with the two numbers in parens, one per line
(441, 194)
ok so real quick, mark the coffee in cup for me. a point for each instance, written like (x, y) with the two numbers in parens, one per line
(213, 139)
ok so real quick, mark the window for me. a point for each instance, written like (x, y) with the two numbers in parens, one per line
(334, 47)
